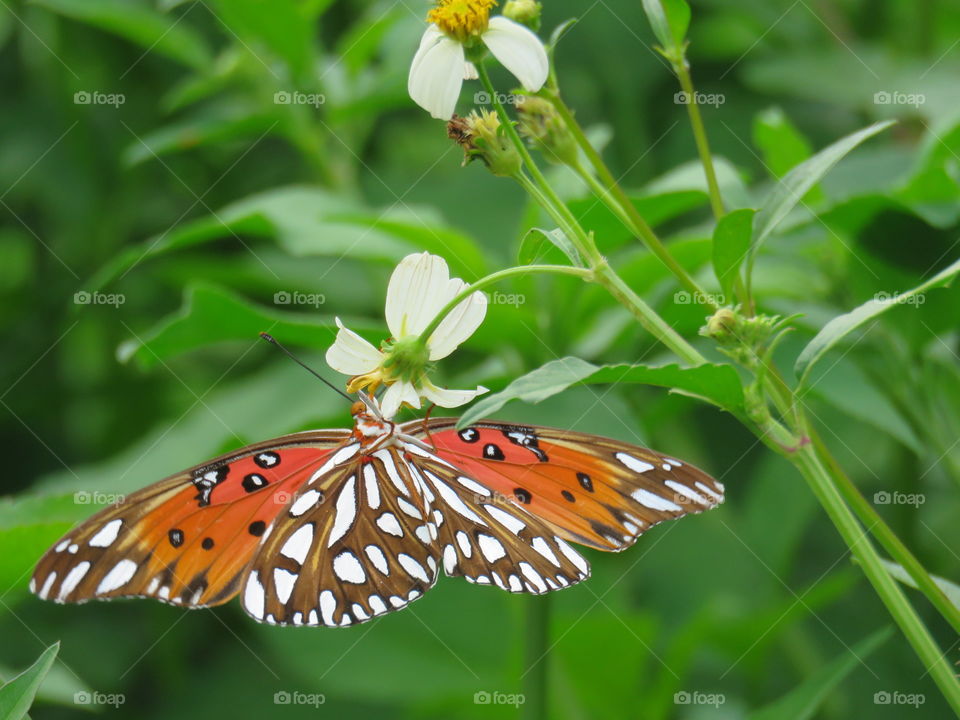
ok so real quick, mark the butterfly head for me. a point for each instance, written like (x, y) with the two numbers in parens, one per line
(369, 423)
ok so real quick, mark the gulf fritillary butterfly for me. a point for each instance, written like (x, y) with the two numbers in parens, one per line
(335, 527)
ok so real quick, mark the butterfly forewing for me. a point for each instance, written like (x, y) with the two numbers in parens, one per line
(359, 541)
(188, 538)
(593, 490)
(489, 539)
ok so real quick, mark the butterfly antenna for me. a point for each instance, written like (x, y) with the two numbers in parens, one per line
(271, 339)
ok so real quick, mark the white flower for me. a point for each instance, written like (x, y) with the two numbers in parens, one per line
(440, 65)
(419, 288)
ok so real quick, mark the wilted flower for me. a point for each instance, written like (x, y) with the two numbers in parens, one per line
(480, 135)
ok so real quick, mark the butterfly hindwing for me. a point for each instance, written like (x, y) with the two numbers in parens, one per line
(488, 538)
(595, 491)
(358, 542)
(186, 539)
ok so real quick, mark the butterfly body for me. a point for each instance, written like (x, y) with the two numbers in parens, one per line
(332, 528)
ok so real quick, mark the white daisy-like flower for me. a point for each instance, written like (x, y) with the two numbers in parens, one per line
(440, 65)
(420, 287)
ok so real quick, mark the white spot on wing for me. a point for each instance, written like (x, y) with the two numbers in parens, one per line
(254, 597)
(372, 485)
(346, 511)
(328, 603)
(473, 486)
(340, 456)
(306, 501)
(378, 559)
(491, 548)
(284, 580)
(542, 547)
(47, 584)
(107, 534)
(450, 497)
(73, 579)
(635, 464)
(298, 544)
(463, 540)
(573, 556)
(389, 524)
(705, 489)
(412, 567)
(347, 567)
(686, 492)
(510, 522)
(654, 502)
(118, 576)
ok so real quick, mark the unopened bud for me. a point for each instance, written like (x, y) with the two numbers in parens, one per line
(722, 325)
(525, 12)
(542, 125)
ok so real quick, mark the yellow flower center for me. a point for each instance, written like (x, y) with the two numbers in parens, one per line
(461, 19)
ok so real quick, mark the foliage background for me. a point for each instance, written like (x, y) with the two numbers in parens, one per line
(201, 197)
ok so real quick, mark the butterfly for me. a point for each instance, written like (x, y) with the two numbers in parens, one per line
(335, 527)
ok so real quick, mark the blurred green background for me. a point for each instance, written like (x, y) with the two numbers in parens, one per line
(176, 176)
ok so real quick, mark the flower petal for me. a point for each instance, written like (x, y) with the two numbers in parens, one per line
(396, 395)
(449, 398)
(417, 291)
(519, 50)
(470, 71)
(350, 354)
(459, 324)
(436, 74)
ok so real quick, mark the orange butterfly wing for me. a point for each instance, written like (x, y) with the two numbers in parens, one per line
(186, 539)
(595, 491)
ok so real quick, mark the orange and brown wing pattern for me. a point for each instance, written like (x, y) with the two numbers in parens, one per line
(186, 539)
(595, 491)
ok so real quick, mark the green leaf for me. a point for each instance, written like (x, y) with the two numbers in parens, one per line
(140, 24)
(279, 26)
(212, 315)
(531, 247)
(788, 192)
(731, 244)
(669, 20)
(802, 702)
(950, 589)
(717, 384)
(307, 220)
(16, 696)
(842, 325)
(782, 145)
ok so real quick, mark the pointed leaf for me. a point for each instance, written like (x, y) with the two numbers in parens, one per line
(531, 247)
(950, 589)
(788, 192)
(717, 384)
(731, 244)
(802, 702)
(16, 696)
(842, 325)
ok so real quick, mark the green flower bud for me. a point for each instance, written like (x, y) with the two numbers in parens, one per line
(545, 129)
(525, 12)
(481, 136)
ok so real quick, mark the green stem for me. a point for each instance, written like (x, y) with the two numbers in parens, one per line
(700, 136)
(856, 538)
(609, 191)
(886, 537)
(537, 655)
(497, 277)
